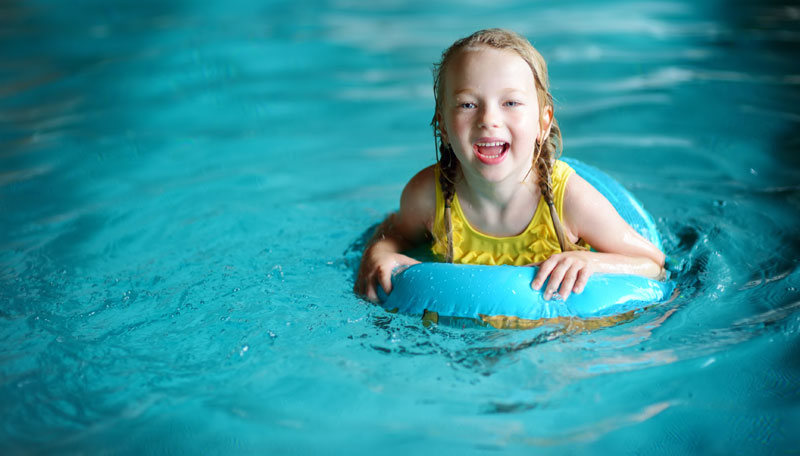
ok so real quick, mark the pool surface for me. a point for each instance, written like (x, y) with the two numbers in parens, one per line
(185, 189)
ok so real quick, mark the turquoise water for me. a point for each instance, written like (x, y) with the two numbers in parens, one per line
(185, 187)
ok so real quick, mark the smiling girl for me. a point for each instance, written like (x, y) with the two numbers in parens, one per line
(498, 194)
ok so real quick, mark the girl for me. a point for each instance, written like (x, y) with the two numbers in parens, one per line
(497, 194)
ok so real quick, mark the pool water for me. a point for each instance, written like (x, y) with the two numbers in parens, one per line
(185, 188)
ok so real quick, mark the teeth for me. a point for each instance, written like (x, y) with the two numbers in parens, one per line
(491, 144)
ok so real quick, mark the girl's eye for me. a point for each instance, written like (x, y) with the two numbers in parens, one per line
(467, 105)
(512, 103)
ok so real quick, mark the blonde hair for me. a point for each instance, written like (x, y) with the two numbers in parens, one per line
(547, 150)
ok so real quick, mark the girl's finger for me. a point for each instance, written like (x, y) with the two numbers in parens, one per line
(360, 286)
(582, 280)
(372, 296)
(567, 283)
(385, 279)
(544, 270)
(555, 280)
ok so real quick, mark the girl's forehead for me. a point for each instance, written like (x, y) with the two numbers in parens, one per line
(488, 62)
(480, 54)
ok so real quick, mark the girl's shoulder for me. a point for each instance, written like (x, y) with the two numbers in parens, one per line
(423, 184)
(418, 201)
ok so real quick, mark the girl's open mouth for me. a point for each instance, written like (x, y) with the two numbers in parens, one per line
(491, 152)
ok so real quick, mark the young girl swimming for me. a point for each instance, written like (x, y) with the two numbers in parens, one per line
(498, 194)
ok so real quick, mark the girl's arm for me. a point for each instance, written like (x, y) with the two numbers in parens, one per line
(406, 228)
(588, 215)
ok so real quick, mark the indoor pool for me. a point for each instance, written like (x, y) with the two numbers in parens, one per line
(186, 187)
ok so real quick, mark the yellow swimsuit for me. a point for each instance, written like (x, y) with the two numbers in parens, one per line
(470, 246)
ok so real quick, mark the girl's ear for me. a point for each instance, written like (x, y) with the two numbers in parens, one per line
(545, 122)
(442, 130)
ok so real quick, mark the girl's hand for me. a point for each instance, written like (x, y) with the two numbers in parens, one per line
(571, 270)
(408, 227)
(376, 268)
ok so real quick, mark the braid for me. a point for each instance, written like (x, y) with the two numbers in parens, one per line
(544, 161)
(447, 179)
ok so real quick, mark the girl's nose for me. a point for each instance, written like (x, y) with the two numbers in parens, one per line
(488, 118)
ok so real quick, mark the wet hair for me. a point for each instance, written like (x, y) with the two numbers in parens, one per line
(546, 151)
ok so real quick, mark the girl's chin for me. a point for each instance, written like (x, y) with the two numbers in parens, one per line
(494, 174)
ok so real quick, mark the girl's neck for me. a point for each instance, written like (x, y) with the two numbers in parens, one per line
(500, 195)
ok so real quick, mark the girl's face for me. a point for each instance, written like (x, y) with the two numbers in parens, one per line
(490, 114)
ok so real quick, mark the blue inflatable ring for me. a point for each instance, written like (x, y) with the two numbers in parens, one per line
(478, 292)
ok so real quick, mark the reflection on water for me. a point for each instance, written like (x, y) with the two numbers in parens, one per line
(184, 190)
